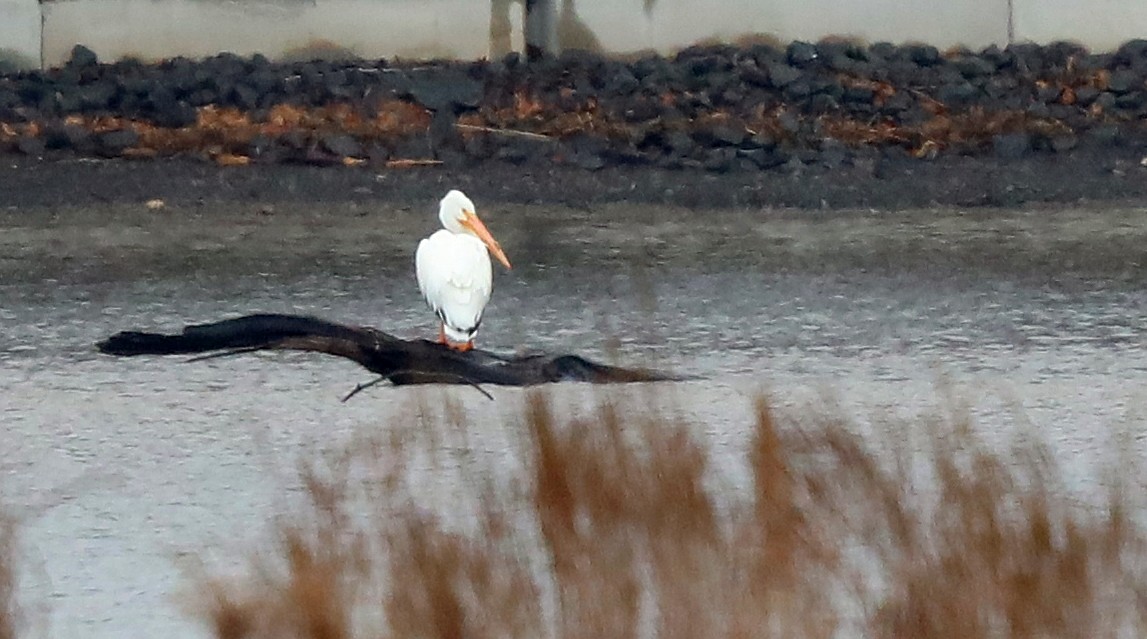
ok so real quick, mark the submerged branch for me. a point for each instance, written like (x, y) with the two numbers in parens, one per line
(393, 359)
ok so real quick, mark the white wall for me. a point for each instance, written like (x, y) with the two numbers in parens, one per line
(154, 29)
(1100, 24)
(20, 32)
(622, 26)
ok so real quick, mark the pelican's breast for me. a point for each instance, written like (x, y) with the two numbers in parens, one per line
(455, 277)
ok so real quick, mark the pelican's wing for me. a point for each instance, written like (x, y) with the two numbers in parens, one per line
(456, 279)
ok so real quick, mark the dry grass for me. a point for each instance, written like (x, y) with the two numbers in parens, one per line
(9, 611)
(609, 530)
(226, 133)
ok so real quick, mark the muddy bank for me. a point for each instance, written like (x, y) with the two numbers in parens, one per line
(832, 124)
(1114, 176)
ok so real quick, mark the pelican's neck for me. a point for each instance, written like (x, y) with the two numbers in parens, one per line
(451, 210)
(450, 221)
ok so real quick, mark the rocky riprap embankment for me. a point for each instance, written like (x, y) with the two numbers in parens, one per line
(720, 108)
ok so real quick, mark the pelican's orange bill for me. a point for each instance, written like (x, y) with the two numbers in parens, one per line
(472, 222)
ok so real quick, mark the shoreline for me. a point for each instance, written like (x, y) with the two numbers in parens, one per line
(830, 125)
(1117, 176)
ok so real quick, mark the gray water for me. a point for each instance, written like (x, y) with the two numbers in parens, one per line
(122, 468)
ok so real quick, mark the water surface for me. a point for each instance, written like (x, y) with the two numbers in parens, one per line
(121, 467)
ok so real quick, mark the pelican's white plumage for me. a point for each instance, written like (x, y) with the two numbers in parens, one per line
(453, 269)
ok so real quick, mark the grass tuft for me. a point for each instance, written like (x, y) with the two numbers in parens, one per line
(10, 616)
(610, 528)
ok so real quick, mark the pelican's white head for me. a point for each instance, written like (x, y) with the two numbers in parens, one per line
(456, 212)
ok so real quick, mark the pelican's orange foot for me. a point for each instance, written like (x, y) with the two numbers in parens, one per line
(463, 347)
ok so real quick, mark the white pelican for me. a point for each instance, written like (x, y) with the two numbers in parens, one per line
(453, 269)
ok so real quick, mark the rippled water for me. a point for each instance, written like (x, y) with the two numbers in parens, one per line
(121, 467)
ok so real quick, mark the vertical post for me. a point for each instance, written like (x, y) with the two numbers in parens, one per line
(1011, 22)
(500, 30)
(541, 27)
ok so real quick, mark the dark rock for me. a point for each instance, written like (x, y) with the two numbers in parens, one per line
(1060, 54)
(1132, 53)
(827, 86)
(342, 145)
(1085, 95)
(999, 86)
(1026, 57)
(789, 122)
(622, 82)
(753, 74)
(1124, 81)
(881, 51)
(701, 66)
(782, 75)
(179, 115)
(68, 136)
(264, 148)
(114, 143)
(8, 98)
(512, 60)
(858, 95)
(82, 57)
(1048, 93)
(898, 102)
(1131, 101)
(98, 96)
(1105, 101)
(31, 88)
(924, 55)
(1012, 146)
(295, 139)
(974, 66)
(1066, 114)
(245, 97)
(648, 66)
(823, 103)
(444, 91)
(799, 90)
(1039, 110)
(641, 110)
(69, 100)
(957, 94)
(800, 53)
(30, 145)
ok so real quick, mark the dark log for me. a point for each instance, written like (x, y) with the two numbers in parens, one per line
(398, 360)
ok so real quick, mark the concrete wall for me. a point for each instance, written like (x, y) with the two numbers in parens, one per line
(19, 33)
(621, 25)
(153, 29)
(1100, 24)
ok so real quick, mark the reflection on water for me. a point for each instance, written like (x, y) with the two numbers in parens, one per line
(121, 466)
